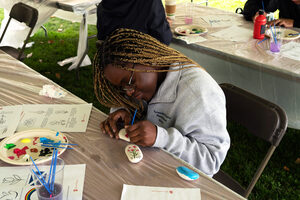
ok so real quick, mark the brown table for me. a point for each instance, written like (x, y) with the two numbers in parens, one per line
(107, 167)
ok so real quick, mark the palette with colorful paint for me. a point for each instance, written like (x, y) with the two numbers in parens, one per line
(190, 30)
(287, 34)
(18, 148)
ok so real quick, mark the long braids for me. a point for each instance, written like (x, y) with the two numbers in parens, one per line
(131, 46)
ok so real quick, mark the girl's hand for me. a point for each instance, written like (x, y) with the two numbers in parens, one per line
(109, 126)
(288, 23)
(142, 133)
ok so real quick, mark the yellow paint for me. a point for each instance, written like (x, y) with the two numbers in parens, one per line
(25, 140)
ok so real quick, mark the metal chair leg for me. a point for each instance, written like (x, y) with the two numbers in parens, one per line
(45, 30)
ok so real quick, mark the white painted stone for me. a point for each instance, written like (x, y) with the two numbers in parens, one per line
(133, 153)
(123, 135)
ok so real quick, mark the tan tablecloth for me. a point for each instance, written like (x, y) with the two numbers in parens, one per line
(244, 64)
(107, 167)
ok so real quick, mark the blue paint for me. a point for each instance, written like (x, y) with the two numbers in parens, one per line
(187, 172)
(46, 140)
(57, 133)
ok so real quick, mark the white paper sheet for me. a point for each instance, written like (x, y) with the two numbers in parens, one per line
(9, 118)
(59, 117)
(192, 39)
(220, 20)
(234, 33)
(291, 50)
(15, 183)
(132, 192)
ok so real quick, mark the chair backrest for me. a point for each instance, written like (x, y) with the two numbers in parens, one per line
(262, 118)
(22, 13)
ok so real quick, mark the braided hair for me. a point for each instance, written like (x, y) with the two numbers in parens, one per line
(131, 46)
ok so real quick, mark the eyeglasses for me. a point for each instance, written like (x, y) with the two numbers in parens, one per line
(129, 86)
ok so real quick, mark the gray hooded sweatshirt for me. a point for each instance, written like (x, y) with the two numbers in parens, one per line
(190, 114)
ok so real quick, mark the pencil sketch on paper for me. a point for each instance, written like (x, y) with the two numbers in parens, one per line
(2, 119)
(9, 195)
(13, 179)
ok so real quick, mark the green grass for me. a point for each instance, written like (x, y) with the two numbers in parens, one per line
(276, 182)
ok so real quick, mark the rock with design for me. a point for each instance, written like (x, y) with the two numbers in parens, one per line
(133, 153)
(123, 135)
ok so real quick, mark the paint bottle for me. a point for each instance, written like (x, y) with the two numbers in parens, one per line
(259, 25)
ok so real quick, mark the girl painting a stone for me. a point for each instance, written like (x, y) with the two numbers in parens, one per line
(180, 108)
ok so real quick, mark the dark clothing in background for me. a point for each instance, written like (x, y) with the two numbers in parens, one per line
(287, 9)
(147, 16)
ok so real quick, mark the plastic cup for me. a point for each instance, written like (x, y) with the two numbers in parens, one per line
(189, 13)
(276, 39)
(56, 188)
(170, 6)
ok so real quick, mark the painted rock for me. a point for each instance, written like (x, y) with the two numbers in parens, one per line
(133, 153)
(186, 173)
(123, 135)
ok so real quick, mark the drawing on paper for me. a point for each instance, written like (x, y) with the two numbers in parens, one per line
(61, 112)
(29, 122)
(9, 195)
(11, 180)
(2, 119)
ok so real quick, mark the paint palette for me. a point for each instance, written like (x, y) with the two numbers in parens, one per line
(18, 148)
(190, 30)
(288, 34)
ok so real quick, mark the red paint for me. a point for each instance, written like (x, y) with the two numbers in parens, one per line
(35, 150)
(83, 118)
(20, 152)
(34, 140)
(259, 26)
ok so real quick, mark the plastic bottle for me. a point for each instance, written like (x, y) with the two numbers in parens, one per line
(259, 25)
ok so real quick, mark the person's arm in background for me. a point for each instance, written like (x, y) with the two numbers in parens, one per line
(157, 23)
(289, 13)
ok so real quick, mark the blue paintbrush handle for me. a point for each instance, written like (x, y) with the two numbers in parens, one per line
(42, 181)
(133, 117)
(55, 146)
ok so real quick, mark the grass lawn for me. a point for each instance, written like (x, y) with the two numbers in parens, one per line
(280, 180)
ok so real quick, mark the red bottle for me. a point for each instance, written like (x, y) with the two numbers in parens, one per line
(259, 25)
